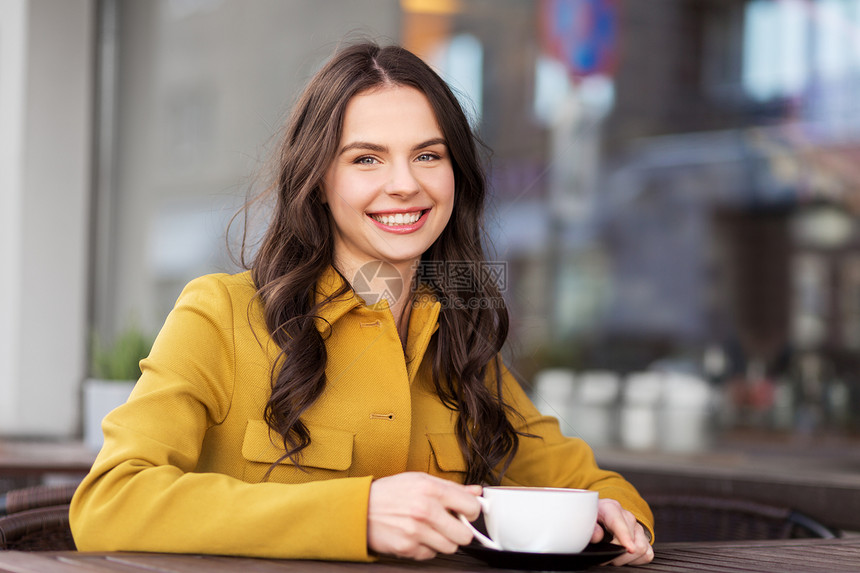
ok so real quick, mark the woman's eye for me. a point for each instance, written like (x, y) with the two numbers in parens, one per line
(427, 157)
(366, 160)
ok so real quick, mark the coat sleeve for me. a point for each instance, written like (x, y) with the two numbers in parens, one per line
(143, 493)
(553, 460)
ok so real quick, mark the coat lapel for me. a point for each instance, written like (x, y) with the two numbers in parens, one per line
(423, 323)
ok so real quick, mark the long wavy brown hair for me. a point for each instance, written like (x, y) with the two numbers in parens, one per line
(298, 247)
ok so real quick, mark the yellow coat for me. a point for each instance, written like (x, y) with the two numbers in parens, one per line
(183, 459)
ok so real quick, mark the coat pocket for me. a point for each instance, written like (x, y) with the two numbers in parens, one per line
(446, 457)
(328, 456)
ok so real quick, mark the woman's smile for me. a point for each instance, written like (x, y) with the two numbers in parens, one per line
(400, 221)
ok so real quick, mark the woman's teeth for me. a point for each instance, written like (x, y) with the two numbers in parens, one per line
(398, 219)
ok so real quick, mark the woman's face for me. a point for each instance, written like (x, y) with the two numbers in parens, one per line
(390, 187)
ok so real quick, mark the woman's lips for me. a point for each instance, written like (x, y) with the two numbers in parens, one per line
(401, 222)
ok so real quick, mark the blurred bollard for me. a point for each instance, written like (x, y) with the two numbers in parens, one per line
(554, 391)
(594, 411)
(642, 394)
(685, 418)
(783, 406)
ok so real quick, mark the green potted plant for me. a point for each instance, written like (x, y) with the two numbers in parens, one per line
(114, 371)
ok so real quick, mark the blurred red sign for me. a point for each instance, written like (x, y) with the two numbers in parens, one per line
(583, 34)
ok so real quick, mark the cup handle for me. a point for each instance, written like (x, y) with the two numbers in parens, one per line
(482, 539)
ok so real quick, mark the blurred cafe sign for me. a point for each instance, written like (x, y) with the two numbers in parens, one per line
(581, 33)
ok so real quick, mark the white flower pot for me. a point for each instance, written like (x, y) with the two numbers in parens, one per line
(100, 397)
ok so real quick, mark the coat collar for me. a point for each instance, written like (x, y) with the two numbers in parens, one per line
(423, 322)
(329, 283)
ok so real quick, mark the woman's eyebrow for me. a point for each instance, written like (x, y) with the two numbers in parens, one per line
(365, 145)
(430, 143)
(368, 146)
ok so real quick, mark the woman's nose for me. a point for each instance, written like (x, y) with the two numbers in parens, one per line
(402, 181)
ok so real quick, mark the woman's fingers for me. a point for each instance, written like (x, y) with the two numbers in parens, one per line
(415, 540)
(443, 541)
(409, 515)
(618, 521)
(459, 499)
(624, 530)
(643, 553)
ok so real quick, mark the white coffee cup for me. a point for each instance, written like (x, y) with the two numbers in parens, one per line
(537, 519)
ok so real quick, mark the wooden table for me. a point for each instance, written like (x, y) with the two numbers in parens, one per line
(808, 556)
(797, 555)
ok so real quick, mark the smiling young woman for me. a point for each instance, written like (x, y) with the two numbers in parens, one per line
(280, 414)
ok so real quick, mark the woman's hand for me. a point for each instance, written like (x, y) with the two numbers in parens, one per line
(409, 515)
(626, 531)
